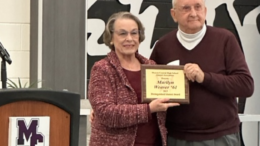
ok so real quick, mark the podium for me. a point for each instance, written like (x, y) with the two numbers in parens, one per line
(62, 107)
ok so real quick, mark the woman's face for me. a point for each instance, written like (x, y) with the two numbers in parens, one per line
(125, 37)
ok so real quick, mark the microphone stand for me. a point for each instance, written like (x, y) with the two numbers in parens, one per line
(3, 74)
(5, 58)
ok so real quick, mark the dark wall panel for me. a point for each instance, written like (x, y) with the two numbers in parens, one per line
(64, 45)
(33, 41)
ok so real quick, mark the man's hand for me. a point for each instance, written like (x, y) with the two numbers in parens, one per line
(193, 72)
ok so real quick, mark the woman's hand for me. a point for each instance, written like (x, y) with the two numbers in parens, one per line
(161, 104)
(156, 105)
(91, 117)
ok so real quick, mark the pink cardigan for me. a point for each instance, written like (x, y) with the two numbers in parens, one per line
(114, 101)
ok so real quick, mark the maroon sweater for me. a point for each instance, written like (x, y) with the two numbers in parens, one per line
(212, 111)
(148, 134)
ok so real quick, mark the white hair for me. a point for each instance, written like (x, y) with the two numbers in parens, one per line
(174, 2)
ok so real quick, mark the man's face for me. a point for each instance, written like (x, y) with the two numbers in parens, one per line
(189, 14)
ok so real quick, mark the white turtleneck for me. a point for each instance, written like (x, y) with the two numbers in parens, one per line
(190, 41)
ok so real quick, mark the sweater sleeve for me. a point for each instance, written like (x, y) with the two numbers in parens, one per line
(102, 97)
(237, 82)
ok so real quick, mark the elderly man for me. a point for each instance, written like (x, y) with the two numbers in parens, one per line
(218, 73)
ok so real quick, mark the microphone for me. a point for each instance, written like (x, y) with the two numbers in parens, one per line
(4, 54)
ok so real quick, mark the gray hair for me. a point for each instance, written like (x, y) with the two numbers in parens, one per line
(174, 2)
(107, 35)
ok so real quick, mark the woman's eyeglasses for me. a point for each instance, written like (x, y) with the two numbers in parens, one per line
(124, 34)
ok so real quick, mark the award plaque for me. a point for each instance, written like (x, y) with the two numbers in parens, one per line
(164, 81)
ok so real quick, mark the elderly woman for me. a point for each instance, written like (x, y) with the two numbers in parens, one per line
(115, 91)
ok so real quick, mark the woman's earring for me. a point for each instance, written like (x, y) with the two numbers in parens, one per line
(111, 43)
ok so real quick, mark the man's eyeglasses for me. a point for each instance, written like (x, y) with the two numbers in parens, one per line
(124, 34)
(187, 8)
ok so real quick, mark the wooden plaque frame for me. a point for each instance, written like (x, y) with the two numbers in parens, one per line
(164, 85)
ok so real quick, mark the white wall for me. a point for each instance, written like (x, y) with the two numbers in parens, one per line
(15, 37)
